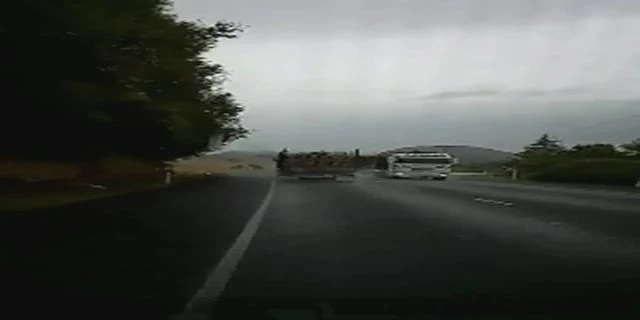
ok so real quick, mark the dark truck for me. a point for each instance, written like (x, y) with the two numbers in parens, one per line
(320, 165)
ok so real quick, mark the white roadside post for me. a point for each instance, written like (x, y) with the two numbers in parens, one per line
(168, 175)
(514, 169)
(215, 143)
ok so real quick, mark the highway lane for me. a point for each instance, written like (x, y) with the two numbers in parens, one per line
(613, 215)
(135, 256)
(366, 242)
(354, 246)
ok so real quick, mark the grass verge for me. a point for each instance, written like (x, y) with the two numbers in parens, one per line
(26, 185)
(508, 180)
(19, 201)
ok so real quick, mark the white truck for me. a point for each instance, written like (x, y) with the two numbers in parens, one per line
(422, 165)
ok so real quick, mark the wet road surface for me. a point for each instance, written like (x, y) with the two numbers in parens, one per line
(370, 247)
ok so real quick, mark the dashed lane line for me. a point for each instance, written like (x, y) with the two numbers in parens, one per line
(492, 201)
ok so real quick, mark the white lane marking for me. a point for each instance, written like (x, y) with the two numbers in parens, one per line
(213, 287)
(492, 201)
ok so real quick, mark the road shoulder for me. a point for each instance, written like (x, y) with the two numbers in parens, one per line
(146, 253)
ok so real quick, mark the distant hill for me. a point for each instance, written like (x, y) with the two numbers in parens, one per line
(466, 154)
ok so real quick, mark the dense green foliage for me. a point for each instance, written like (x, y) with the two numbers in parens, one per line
(88, 79)
(594, 171)
(547, 159)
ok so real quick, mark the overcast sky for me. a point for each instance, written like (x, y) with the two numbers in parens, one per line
(377, 74)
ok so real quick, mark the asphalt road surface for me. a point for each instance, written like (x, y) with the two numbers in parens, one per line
(237, 247)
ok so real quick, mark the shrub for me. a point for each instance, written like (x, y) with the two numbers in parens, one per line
(596, 171)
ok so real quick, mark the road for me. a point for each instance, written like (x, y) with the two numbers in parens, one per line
(456, 244)
(136, 256)
(234, 245)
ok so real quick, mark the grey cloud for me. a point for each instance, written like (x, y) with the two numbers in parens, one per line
(547, 92)
(507, 93)
(462, 94)
(300, 67)
(492, 124)
(292, 17)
